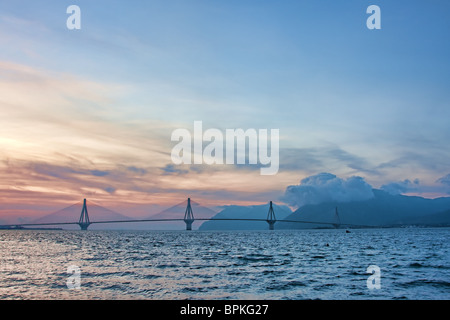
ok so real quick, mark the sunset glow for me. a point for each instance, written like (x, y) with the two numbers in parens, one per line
(89, 113)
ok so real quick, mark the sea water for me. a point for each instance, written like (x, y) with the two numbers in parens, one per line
(414, 263)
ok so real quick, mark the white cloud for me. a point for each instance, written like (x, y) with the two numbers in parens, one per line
(445, 180)
(401, 187)
(325, 187)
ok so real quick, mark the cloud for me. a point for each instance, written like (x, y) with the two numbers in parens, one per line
(172, 169)
(110, 190)
(401, 187)
(445, 183)
(73, 178)
(319, 158)
(64, 172)
(137, 170)
(444, 180)
(326, 187)
(441, 186)
(428, 157)
(99, 173)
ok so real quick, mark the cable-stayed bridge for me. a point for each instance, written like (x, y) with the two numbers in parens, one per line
(85, 221)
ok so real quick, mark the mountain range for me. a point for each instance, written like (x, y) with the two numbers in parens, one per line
(383, 210)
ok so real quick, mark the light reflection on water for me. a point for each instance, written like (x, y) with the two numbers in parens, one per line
(296, 264)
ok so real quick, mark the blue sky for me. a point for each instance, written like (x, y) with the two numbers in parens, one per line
(347, 100)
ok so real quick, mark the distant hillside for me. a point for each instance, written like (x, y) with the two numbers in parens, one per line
(382, 210)
(245, 212)
(96, 213)
(441, 219)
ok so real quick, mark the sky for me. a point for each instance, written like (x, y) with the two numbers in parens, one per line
(89, 113)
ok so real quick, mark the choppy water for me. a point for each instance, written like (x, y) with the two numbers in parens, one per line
(297, 264)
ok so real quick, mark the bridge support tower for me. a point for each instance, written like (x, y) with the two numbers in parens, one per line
(337, 220)
(271, 217)
(189, 215)
(84, 217)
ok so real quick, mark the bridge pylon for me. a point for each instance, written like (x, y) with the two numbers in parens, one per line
(189, 215)
(337, 220)
(271, 219)
(84, 217)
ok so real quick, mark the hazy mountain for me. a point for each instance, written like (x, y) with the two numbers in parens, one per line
(441, 219)
(96, 213)
(245, 212)
(12, 219)
(383, 209)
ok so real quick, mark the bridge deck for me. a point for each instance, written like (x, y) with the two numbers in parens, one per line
(177, 219)
(84, 221)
